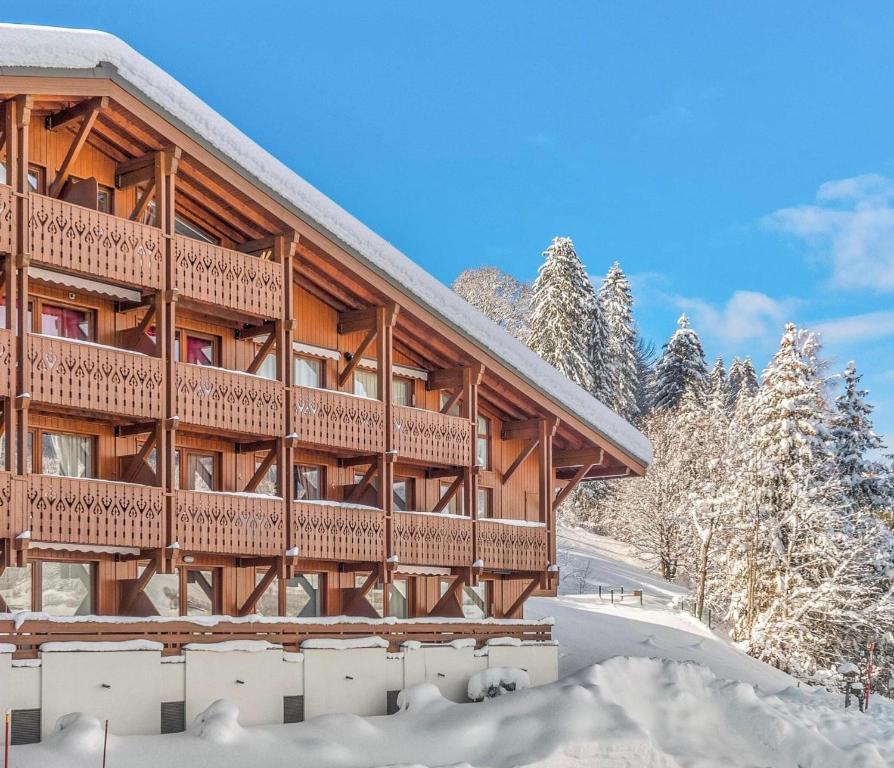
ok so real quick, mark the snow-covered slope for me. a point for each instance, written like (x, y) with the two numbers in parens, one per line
(674, 695)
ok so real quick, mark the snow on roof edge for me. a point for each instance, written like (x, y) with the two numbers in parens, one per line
(55, 49)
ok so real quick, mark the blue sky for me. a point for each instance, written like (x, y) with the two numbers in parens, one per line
(739, 163)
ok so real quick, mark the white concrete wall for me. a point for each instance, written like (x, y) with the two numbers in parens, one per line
(213, 675)
(352, 680)
(72, 681)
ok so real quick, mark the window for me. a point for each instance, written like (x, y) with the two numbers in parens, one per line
(105, 199)
(66, 322)
(61, 454)
(399, 599)
(188, 592)
(308, 372)
(366, 383)
(474, 599)
(268, 484)
(200, 349)
(181, 226)
(303, 595)
(197, 471)
(308, 482)
(163, 591)
(482, 445)
(200, 599)
(66, 588)
(455, 506)
(402, 391)
(375, 596)
(485, 497)
(267, 369)
(403, 493)
(36, 178)
(16, 592)
(454, 409)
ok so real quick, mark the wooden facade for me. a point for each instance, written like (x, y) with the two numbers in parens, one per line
(203, 351)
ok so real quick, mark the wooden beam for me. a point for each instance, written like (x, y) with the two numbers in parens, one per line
(256, 445)
(452, 400)
(257, 593)
(128, 430)
(526, 428)
(450, 595)
(145, 577)
(571, 485)
(141, 169)
(261, 355)
(261, 470)
(528, 449)
(140, 458)
(74, 150)
(81, 109)
(520, 600)
(356, 357)
(439, 472)
(450, 493)
(259, 244)
(364, 483)
(577, 458)
(362, 591)
(253, 331)
(357, 461)
(143, 201)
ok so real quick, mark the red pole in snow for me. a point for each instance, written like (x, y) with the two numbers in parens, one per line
(7, 728)
(105, 744)
(871, 649)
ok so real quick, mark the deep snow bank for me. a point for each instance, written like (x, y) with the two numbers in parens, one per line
(624, 713)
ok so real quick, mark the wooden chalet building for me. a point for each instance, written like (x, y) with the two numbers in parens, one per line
(222, 395)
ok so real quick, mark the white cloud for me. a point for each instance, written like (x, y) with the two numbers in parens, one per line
(746, 315)
(851, 227)
(857, 328)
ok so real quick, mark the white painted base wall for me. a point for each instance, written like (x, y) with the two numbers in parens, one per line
(127, 687)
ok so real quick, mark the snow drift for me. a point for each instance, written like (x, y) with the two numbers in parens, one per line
(623, 713)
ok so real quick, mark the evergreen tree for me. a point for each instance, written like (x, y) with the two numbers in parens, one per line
(562, 311)
(622, 374)
(866, 480)
(718, 385)
(748, 380)
(500, 296)
(602, 385)
(733, 383)
(681, 365)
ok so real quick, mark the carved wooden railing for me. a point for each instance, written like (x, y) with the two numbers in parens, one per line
(12, 522)
(432, 539)
(431, 436)
(513, 547)
(33, 632)
(6, 218)
(225, 278)
(94, 378)
(335, 532)
(74, 511)
(7, 344)
(95, 244)
(228, 523)
(328, 418)
(229, 400)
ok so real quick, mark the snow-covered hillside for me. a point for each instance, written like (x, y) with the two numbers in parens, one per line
(651, 688)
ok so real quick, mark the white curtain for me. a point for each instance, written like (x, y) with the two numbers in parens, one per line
(67, 455)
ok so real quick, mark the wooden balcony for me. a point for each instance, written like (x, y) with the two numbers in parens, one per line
(7, 345)
(337, 420)
(425, 538)
(229, 401)
(432, 437)
(77, 239)
(504, 546)
(12, 522)
(94, 378)
(74, 511)
(6, 218)
(239, 281)
(339, 532)
(230, 523)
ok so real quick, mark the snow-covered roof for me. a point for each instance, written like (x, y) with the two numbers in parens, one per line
(38, 50)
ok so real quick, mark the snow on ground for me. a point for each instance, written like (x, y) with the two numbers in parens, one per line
(675, 695)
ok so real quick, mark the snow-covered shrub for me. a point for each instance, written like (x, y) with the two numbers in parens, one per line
(497, 681)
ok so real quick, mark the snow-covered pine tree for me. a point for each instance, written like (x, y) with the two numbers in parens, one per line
(562, 307)
(718, 385)
(733, 383)
(682, 364)
(866, 480)
(616, 303)
(500, 296)
(600, 366)
(645, 366)
(748, 381)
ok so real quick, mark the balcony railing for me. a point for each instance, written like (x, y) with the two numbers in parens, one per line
(229, 400)
(334, 531)
(6, 218)
(225, 278)
(94, 378)
(424, 538)
(503, 545)
(95, 244)
(335, 419)
(74, 511)
(432, 437)
(12, 522)
(7, 344)
(230, 523)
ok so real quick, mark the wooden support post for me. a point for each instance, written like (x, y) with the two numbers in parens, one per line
(269, 460)
(451, 491)
(359, 593)
(579, 475)
(360, 487)
(257, 593)
(520, 600)
(356, 357)
(91, 112)
(143, 201)
(545, 481)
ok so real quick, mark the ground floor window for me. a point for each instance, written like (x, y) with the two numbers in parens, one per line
(64, 588)
(399, 599)
(375, 597)
(473, 599)
(187, 592)
(299, 596)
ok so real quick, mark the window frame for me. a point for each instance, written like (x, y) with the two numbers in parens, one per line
(37, 580)
(487, 437)
(183, 584)
(410, 494)
(37, 433)
(405, 381)
(183, 452)
(458, 501)
(360, 369)
(320, 361)
(321, 469)
(488, 493)
(35, 311)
